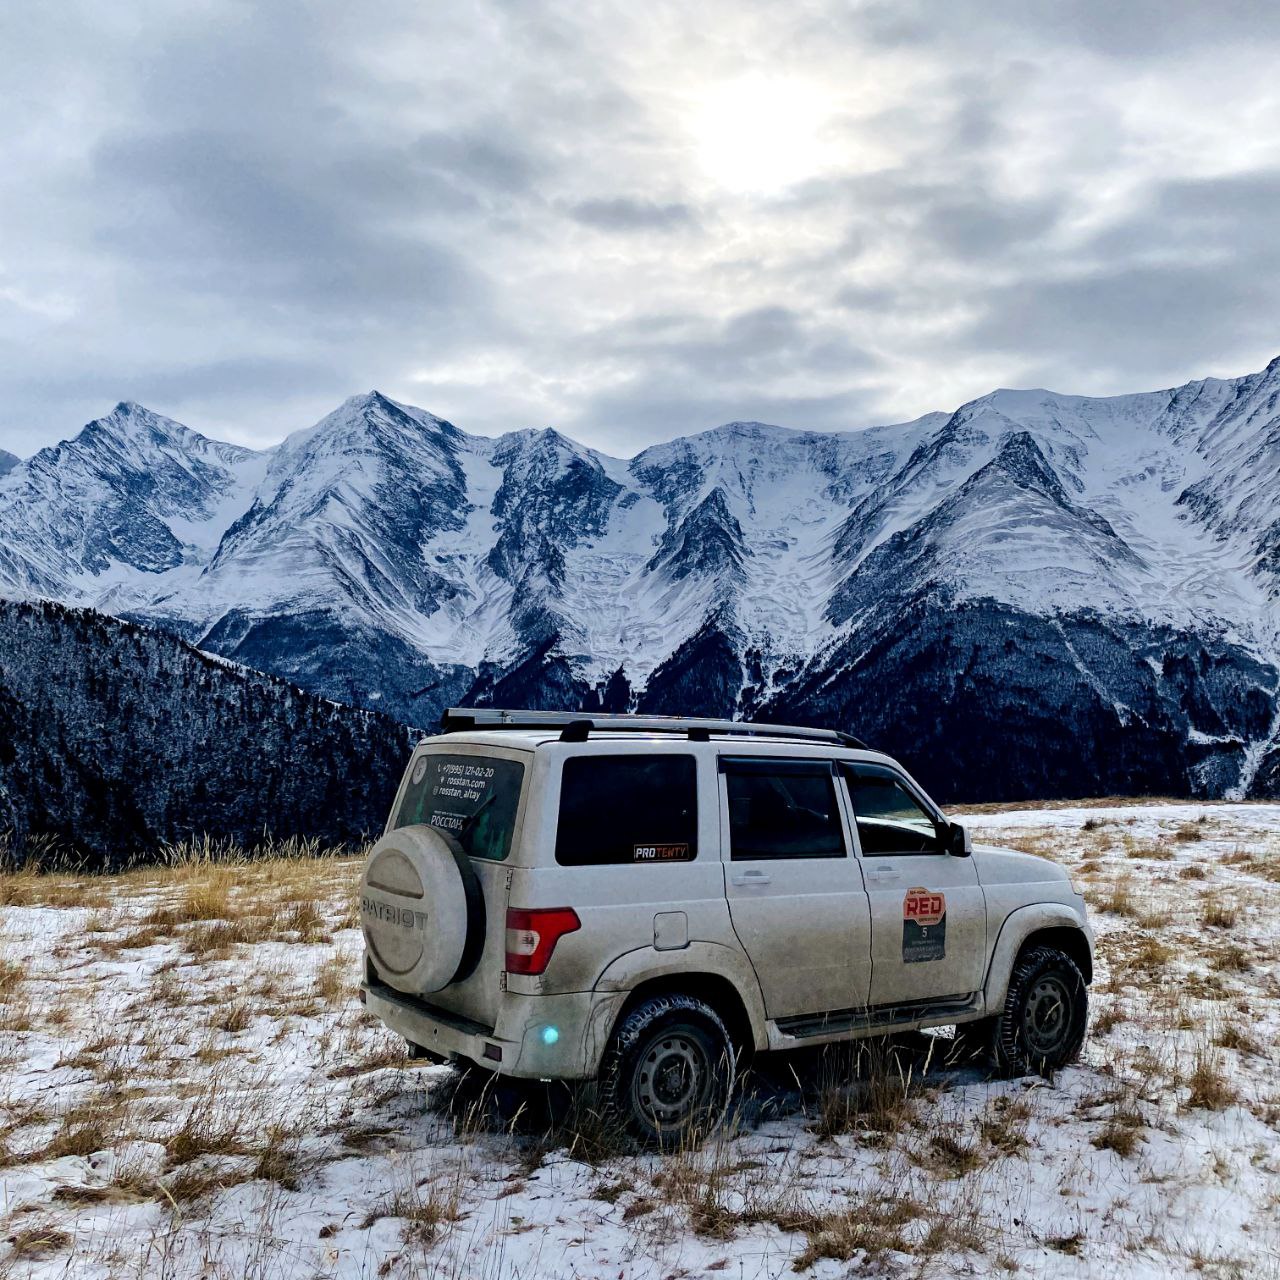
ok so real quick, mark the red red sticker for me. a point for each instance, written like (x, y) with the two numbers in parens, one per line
(924, 906)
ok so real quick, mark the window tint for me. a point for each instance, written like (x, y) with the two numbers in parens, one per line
(781, 810)
(622, 809)
(890, 819)
(472, 798)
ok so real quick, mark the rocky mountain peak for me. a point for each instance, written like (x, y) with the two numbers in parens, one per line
(374, 422)
(707, 542)
(1021, 458)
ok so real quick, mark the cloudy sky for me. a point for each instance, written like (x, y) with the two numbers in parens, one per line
(627, 221)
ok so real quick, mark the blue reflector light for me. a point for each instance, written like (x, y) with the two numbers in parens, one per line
(550, 1035)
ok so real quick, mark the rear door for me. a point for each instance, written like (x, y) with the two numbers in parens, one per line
(476, 796)
(635, 854)
(795, 889)
(928, 913)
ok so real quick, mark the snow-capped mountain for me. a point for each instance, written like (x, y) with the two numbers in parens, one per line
(1037, 594)
(8, 461)
(135, 498)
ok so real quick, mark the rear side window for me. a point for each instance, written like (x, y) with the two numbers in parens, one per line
(622, 809)
(472, 798)
(782, 809)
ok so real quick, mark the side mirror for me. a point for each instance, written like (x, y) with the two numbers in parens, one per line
(958, 843)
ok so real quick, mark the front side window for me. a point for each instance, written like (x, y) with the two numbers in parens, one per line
(471, 798)
(890, 819)
(782, 809)
(627, 809)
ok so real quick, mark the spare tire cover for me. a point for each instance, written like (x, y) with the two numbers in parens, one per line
(422, 909)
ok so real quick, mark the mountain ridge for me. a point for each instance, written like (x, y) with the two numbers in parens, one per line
(385, 557)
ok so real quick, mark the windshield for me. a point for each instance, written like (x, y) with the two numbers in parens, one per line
(472, 798)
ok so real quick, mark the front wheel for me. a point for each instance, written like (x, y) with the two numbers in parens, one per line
(668, 1074)
(1045, 1013)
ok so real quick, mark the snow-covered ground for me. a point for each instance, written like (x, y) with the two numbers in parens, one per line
(188, 1087)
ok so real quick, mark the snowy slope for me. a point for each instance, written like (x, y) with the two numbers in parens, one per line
(384, 556)
(267, 1127)
(8, 461)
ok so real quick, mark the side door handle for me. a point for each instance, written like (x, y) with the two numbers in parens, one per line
(883, 875)
(751, 877)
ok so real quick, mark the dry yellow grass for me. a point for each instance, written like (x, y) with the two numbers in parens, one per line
(1219, 912)
(1207, 1084)
(1092, 802)
(1119, 900)
(38, 1240)
(335, 980)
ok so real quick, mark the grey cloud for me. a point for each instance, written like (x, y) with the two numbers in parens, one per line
(1226, 210)
(739, 352)
(1137, 29)
(1140, 323)
(245, 213)
(976, 227)
(1183, 279)
(210, 209)
(963, 220)
(623, 213)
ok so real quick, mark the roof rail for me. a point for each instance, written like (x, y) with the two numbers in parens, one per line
(575, 726)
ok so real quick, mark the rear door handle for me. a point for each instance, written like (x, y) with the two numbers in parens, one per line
(751, 877)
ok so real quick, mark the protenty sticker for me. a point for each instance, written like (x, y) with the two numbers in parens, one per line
(924, 926)
(661, 853)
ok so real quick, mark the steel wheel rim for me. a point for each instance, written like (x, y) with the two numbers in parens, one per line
(671, 1081)
(1047, 1018)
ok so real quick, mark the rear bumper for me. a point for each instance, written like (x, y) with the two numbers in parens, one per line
(557, 1037)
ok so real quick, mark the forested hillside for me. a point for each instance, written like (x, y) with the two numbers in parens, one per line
(115, 738)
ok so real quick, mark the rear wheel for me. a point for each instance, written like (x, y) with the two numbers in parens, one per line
(1045, 1014)
(668, 1073)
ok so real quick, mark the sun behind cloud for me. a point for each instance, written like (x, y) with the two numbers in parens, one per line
(760, 134)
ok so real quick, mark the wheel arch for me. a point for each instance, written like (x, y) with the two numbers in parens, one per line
(713, 989)
(1043, 924)
(706, 971)
(1070, 941)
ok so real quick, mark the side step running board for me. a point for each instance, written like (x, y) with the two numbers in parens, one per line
(806, 1025)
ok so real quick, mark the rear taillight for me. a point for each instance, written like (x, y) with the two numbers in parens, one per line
(532, 936)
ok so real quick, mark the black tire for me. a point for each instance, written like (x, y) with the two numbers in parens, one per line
(668, 1073)
(1045, 1014)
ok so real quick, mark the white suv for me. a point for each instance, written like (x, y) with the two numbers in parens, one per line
(649, 900)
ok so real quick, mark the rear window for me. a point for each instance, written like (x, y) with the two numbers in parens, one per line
(782, 809)
(627, 809)
(473, 798)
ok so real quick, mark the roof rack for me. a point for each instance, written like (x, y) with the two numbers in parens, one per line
(575, 726)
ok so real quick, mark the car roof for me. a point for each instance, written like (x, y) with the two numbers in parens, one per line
(530, 739)
(579, 726)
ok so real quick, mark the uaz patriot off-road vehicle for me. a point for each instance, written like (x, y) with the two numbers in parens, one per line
(647, 900)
